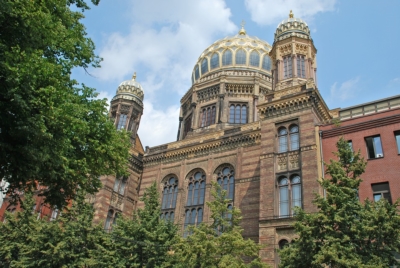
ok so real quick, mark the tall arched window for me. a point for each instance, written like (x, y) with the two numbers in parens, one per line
(238, 113)
(282, 136)
(226, 179)
(196, 73)
(122, 121)
(289, 194)
(214, 61)
(254, 58)
(107, 225)
(301, 66)
(170, 194)
(294, 137)
(207, 116)
(289, 142)
(119, 185)
(266, 64)
(195, 198)
(227, 57)
(287, 67)
(204, 66)
(240, 57)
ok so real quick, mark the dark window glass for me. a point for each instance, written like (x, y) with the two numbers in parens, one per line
(294, 137)
(397, 136)
(208, 116)
(381, 191)
(227, 57)
(301, 69)
(187, 125)
(287, 67)
(226, 179)
(196, 73)
(214, 61)
(374, 147)
(238, 113)
(195, 199)
(254, 59)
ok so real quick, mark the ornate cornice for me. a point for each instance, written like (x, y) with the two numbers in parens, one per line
(136, 163)
(217, 144)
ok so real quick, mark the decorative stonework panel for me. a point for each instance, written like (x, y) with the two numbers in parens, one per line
(294, 160)
(282, 162)
(208, 93)
(285, 49)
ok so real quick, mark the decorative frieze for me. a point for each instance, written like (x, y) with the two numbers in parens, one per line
(282, 162)
(285, 49)
(239, 89)
(208, 93)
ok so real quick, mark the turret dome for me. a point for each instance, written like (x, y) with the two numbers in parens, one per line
(239, 52)
(130, 89)
(292, 27)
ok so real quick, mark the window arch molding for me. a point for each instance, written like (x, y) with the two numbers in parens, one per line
(112, 215)
(169, 189)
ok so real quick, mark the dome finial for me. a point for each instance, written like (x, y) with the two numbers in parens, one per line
(134, 76)
(242, 31)
(291, 14)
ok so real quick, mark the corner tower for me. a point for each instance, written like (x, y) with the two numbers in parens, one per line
(293, 54)
(119, 194)
(127, 107)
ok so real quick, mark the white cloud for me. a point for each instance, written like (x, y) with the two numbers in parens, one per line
(164, 41)
(346, 90)
(271, 12)
(158, 126)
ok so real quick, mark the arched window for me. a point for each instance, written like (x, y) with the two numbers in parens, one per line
(196, 73)
(301, 66)
(238, 113)
(289, 142)
(240, 57)
(294, 137)
(266, 64)
(170, 194)
(226, 179)
(204, 66)
(195, 198)
(289, 194)
(214, 61)
(227, 57)
(122, 121)
(207, 116)
(107, 225)
(282, 136)
(254, 58)
(119, 185)
(283, 243)
(287, 67)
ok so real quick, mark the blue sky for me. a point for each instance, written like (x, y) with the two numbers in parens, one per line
(357, 43)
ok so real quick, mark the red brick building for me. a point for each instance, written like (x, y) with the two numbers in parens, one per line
(373, 129)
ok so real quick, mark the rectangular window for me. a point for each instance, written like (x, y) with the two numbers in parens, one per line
(301, 69)
(187, 125)
(374, 147)
(350, 143)
(381, 190)
(122, 121)
(397, 136)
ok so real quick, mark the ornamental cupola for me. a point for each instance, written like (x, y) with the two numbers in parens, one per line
(127, 106)
(293, 54)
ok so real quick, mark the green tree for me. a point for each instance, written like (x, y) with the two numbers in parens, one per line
(52, 130)
(219, 244)
(70, 241)
(344, 232)
(145, 240)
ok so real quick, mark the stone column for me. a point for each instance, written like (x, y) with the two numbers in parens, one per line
(294, 56)
(178, 137)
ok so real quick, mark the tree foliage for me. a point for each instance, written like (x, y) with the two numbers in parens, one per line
(70, 241)
(219, 244)
(145, 240)
(52, 130)
(345, 232)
